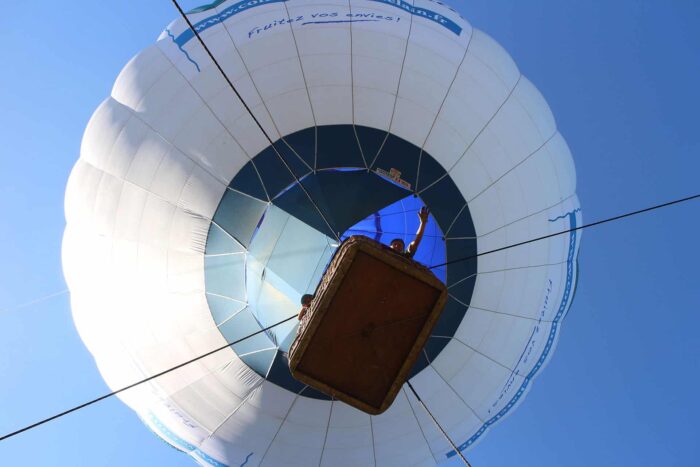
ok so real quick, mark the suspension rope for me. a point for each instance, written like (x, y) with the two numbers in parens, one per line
(113, 393)
(585, 226)
(257, 122)
(447, 437)
(145, 380)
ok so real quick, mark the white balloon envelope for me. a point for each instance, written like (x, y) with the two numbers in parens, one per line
(185, 231)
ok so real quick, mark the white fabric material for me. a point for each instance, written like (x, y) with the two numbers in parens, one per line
(158, 154)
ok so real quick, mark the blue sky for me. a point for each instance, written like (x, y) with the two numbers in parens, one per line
(621, 78)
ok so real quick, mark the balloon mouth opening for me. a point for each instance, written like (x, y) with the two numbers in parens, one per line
(268, 245)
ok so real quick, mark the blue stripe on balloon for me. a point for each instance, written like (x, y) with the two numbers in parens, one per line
(244, 5)
(570, 261)
(170, 34)
(246, 459)
(424, 13)
(183, 445)
(220, 17)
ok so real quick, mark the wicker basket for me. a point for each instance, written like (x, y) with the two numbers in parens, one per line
(372, 314)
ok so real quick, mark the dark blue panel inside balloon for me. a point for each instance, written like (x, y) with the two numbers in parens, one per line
(337, 147)
(450, 318)
(275, 175)
(434, 346)
(445, 201)
(345, 197)
(462, 227)
(247, 181)
(464, 289)
(304, 144)
(421, 362)
(239, 215)
(446, 326)
(460, 267)
(314, 394)
(429, 171)
(371, 141)
(280, 375)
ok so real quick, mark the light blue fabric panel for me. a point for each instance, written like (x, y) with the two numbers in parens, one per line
(225, 275)
(275, 302)
(321, 266)
(260, 361)
(268, 235)
(295, 256)
(219, 242)
(287, 342)
(241, 325)
(223, 308)
(239, 215)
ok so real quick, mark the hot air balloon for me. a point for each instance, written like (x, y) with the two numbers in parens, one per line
(185, 229)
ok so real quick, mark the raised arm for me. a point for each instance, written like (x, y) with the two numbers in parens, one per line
(423, 216)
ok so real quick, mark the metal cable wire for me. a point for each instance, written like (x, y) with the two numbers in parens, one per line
(145, 380)
(105, 396)
(447, 437)
(257, 122)
(581, 227)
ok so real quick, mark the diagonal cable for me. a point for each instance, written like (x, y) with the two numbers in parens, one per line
(257, 122)
(137, 383)
(562, 232)
(105, 396)
(449, 440)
